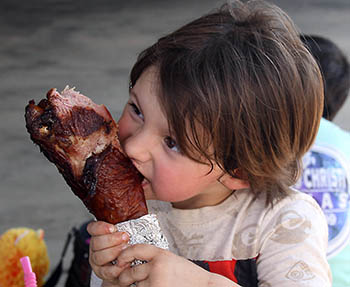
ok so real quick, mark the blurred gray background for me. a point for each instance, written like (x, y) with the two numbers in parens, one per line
(92, 45)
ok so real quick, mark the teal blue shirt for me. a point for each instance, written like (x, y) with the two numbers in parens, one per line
(326, 177)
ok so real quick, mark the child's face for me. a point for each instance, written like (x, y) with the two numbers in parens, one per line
(169, 175)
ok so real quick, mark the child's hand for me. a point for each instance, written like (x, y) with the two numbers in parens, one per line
(105, 246)
(163, 269)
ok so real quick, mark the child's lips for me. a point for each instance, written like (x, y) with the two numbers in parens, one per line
(145, 183)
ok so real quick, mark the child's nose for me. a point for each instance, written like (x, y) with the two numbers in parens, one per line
(138, 147)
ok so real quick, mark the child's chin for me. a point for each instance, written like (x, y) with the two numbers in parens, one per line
(149, 195)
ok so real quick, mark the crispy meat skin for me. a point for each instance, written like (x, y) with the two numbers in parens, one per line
(80, 138)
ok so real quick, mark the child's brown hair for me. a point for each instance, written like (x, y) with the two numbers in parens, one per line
(240, 89)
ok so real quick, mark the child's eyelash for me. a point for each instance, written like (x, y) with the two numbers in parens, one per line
(172, 144)
(135, 109)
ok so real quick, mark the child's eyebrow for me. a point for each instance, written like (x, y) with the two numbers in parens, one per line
(131, 92)
(134, 95)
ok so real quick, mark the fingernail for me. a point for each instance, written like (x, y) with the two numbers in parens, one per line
(112, 229)
(125, 237)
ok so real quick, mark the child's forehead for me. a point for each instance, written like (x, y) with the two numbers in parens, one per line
(147, 85)
(149, 76)
(146, 93)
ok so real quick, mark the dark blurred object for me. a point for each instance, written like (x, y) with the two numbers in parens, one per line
(335, 69)
(57, 272)
(80, 271)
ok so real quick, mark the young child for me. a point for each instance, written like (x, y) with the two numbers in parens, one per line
(220, 114)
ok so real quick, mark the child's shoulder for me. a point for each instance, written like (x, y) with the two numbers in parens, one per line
(290, 221)
(298, 212)
(297, 205)
(295, 200)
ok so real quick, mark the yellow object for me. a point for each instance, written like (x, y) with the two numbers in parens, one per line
(19, 242)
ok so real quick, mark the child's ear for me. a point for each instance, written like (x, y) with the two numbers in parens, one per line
(233, 183)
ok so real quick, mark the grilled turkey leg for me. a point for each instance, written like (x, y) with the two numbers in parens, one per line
(80, 138)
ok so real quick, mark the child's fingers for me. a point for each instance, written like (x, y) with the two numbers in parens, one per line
(105, 256)
(100, 227)
(138, 251)
(134, 274)
(101, 242)
(108, 273)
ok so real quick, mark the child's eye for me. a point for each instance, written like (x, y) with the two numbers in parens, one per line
(136, 110)
(171, 144)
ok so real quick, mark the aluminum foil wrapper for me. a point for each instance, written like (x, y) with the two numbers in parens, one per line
(145, 230)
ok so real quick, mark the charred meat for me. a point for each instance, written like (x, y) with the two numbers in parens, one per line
(80, 138)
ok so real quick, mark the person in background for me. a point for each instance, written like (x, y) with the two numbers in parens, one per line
(326, 174)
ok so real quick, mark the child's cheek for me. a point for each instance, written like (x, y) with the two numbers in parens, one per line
(166, 185)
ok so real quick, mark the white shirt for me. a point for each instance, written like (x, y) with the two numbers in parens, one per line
(254, 245)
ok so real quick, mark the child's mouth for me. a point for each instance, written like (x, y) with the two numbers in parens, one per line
(145, 183)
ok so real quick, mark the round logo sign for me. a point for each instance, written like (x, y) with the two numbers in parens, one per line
(326, 178)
